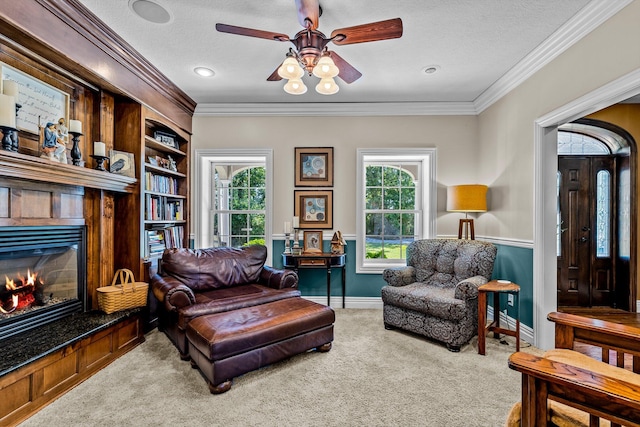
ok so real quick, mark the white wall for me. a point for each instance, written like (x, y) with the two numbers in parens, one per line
(506, 134)
(455, 138)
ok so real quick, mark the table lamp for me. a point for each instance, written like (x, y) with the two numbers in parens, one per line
(467, 198)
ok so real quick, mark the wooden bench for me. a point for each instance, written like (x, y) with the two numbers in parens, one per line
(598, 389)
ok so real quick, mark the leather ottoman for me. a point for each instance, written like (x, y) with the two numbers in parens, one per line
(225, 345)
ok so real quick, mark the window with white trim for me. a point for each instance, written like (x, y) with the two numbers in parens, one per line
(396, 204)
(234, 190)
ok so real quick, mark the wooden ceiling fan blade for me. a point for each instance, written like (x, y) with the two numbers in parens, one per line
(274, 77)
(374, 31)
(347, 72)
(308, 10)
(242, 31)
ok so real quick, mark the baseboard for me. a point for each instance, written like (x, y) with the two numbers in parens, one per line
(526, 333)
(350, 302)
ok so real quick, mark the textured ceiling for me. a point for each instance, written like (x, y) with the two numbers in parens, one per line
(473, 42)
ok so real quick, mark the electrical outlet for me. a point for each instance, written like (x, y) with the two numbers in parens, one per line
(511, 299)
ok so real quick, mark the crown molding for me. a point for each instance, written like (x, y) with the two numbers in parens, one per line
(584, 22)
(337, 109)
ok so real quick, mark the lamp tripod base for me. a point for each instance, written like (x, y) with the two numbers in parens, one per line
(466, 228)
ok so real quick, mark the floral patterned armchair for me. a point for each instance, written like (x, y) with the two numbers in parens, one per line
(436, 294)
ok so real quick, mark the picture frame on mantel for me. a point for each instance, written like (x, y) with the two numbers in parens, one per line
(39, 102)
(314, 208)
(122, 163)
(314, 166)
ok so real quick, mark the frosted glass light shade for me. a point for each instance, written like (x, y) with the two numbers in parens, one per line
(327, 86)
(295, 87)
(467, 198)
(325, 68)
(290, 69)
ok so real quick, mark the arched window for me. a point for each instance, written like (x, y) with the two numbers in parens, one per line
(571, 143)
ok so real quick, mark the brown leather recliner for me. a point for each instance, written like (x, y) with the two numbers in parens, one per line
(196, 282)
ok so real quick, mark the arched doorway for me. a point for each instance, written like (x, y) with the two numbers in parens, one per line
(593, 211)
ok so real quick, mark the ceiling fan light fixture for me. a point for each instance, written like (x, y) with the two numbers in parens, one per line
(290, 69)
(327, 86)
(325, 68)
(295, 87)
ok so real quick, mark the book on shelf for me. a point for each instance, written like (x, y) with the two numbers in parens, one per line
(161, 208)
(164, 238)
(160, 183)
(174, 236)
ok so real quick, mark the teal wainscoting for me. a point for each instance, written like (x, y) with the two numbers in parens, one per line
(516, 264)
(512, 263)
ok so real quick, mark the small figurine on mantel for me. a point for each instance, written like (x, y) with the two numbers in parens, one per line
(53, 147)
(63, 131)
(337, 243)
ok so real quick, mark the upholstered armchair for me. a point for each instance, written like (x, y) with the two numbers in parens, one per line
(436, 294)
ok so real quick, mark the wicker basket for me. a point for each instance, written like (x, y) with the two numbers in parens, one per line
(127, 294)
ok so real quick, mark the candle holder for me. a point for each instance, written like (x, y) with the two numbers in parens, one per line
(296, 250)
(76, 155)
(7, 138)
(287, 243)
(99, 162)
(14, 136)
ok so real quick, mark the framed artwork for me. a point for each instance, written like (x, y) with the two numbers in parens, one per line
(312, 242)
(122, 163)
(40, 102)
(314, 167)
(314, 208)
(166, 138)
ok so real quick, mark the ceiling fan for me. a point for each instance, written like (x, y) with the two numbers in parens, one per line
(311, 53)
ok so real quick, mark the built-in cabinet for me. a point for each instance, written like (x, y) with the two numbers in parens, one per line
(158, 213)
(121, 100)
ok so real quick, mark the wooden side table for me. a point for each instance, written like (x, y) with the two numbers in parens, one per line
(497, 287)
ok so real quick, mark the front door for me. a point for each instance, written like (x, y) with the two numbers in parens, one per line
(585, 234)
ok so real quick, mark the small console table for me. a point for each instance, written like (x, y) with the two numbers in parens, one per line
(319, 260)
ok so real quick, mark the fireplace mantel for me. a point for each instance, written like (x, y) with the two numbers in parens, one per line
(17, 165)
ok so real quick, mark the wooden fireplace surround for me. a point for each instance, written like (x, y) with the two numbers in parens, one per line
(62, 44)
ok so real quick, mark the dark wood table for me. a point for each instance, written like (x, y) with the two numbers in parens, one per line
(319, 260)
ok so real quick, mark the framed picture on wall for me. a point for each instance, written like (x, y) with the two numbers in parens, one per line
(314, 166)
(314, 208)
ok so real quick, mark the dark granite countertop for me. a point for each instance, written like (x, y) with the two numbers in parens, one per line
(22, 349)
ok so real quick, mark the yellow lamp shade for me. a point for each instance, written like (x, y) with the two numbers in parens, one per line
(467, 198)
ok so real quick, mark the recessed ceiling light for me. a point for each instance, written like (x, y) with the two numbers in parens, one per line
(150, 11)
(430, 69)
(204, 71)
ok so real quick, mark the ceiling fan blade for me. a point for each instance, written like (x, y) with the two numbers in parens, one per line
(308, 10)
(274, 77)
(242, 31)
(374, 31)
(347, 72)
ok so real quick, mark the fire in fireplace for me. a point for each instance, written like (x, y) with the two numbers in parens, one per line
(43, 270)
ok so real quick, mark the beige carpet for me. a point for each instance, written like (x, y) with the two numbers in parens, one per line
(371, 377)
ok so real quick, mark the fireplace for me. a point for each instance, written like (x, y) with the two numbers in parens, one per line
(42, 276)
